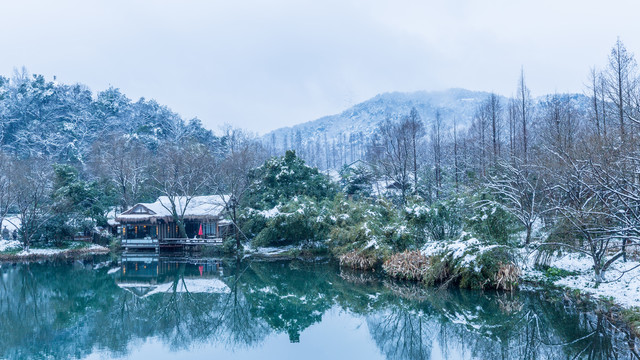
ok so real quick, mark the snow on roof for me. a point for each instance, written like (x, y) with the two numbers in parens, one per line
(212, 286)
(198, 206)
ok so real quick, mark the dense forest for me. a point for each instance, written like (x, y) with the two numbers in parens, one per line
(550, 174)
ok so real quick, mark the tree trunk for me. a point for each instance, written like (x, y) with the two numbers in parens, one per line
(182, 231)
(415, 167)
(599, 274)
(235, 222)
(527, 240)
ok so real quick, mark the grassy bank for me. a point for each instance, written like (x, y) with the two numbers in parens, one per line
(72, 249)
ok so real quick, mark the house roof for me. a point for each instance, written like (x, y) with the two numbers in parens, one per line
(198, 207)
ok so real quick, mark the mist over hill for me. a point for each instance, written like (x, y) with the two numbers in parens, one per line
(334, 140)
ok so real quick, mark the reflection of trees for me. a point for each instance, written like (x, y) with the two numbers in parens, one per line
(243, 329)
(402, 334)
(468, 324)
(289, 296)
(184, 318)
(72, 310)
(64, 311)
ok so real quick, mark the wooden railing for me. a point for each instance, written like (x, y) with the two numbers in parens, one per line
(188, 241)
(154, 243)
(139, 243)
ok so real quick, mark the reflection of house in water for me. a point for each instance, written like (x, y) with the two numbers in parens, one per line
(145, 274)
(151, 225)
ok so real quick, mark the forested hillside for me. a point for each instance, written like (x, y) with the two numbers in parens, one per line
(336, 140)
(62, 122)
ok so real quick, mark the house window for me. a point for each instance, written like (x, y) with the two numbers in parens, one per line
(139, 232)
(140, 210)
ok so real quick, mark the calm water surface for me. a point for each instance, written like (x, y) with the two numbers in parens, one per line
(150, 307)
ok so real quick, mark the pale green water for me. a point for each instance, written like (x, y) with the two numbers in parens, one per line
(182, 308)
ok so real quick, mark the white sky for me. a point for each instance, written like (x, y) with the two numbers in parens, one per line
(261, 65)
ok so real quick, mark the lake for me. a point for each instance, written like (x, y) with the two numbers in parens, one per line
(142, 306)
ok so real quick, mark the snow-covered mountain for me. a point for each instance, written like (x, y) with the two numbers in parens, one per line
(364, 117)
(333, 140)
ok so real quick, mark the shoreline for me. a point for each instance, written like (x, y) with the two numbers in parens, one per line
(620, 314)
(617, 314)
(49, 254)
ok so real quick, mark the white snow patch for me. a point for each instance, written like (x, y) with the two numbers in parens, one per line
(271, 213)
(46, 252)
(52, 252)
(457, 248)
(6, 245)
(373, 242)
(622, 280)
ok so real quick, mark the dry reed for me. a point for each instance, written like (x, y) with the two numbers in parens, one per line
(408, 265)
(507, 277)
(357, 260)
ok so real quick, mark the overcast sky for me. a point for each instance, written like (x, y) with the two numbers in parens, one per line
(261, 65)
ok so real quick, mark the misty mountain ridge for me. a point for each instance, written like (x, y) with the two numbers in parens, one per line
(365, 116)
(357, 124)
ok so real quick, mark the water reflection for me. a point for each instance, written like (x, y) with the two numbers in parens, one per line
(75, 309)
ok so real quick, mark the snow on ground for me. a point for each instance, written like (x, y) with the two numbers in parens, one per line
(45, 252)
(6, 245)
(114, 270)
(270, 250)
(621, 285)
(52, 252)
(622, 280)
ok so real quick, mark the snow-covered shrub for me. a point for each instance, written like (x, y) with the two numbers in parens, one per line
(363, 225)
(356, 181)
(491, 223)
(287, 203)
(437, 222)
(472, 265)
(280, 179)
(297, 221)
